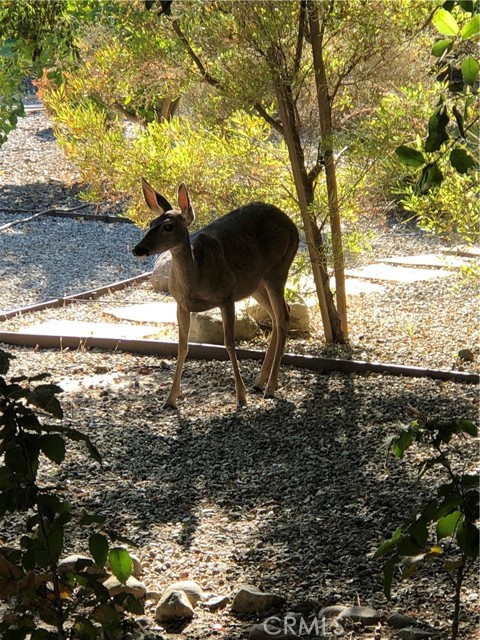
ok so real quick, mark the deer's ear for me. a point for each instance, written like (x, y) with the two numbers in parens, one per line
(184, 204)
(155, 201)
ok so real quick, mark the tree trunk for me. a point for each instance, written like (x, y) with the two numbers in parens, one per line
(325, 116)
(286, 108)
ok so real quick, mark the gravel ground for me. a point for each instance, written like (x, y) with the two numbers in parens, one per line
(292, 494)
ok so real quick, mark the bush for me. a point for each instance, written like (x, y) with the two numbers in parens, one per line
(38, 595)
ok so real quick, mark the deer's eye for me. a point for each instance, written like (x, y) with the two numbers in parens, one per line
(168, 227)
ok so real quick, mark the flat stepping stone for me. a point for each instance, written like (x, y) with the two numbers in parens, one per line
(71, 328)
(159, 312)
(389, 272)
(431, 260)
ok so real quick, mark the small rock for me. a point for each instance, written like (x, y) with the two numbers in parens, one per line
(216, 603)
(364, 615)
(267, 631)
(249, 599)
(399, 621)
(174, 606)
(133, 586)
(299, 316)
(466, 354)
(414, 633)
(192, 590)
(332, 611)
(77, 563)
(207, 327)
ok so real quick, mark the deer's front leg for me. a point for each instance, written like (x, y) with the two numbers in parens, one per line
(228, 317)
(183, 319)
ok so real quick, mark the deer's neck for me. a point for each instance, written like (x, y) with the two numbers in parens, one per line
(183, 276)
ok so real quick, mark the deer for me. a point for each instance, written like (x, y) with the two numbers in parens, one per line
(246, 252)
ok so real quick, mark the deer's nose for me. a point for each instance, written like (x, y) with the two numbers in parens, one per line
(139, 251)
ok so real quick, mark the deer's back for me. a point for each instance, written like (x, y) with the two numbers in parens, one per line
(257, 228)
(254, 241)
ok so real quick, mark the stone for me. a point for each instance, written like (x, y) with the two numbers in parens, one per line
(299, 316)
(332, 611)
(216, 603)
(190, 588)
(133, 586)
(364, 615)
(249, 599)
(414, 633)
(267, 631)
(207, 327)
(174, 606)
(466, 355)
(399, 621)
(161, 272)
(77, 563)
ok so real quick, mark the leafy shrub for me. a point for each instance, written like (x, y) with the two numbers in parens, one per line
(451, 513)
(39, 596)
(225, 165)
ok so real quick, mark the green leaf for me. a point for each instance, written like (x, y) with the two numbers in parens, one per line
(435, 140)
(431, 177)
(472, 28)
(98, 546)
(107, 615)
(388, 571)
(419, 532)
(120, 563)
(5, 361)
(468, 537)
(409, 157)
(467, 426)
(467, 5)
(460, 121)
(438, 120)
(445, 22)
(53, 446)
(129, 603)
(470, 68)
(447, 525)
(402, 442)
(85, 630)
(43, 397)
(462, 161)
(388, 545)
(439, 47)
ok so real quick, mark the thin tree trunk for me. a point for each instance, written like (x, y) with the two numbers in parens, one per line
(325, 116)
(330, 318)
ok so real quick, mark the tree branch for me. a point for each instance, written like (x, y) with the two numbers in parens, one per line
(214, 82)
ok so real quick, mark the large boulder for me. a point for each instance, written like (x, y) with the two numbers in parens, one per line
(299, 316)
(207, 327)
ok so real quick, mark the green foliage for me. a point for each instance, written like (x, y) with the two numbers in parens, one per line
(32, 33)
(451, 514)
(42, 600)
(449, 210)
(224, 164)
(453, 131)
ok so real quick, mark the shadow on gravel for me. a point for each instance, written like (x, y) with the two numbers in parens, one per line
(312, 473)
(51, 257)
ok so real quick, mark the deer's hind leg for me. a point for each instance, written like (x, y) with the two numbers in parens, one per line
(271, 298)
(228, 318)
